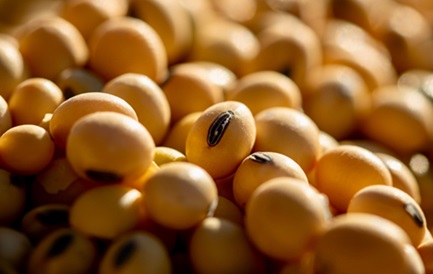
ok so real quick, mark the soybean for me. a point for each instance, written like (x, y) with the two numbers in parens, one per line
(62, 251)
(130, 154)
(136, 252)
(146, 98)
(290, 132)
(68, 112)
(289, 232)
(371, 236)
(107, 212)
(393, 204)
(342, 171)
(40, 221)
(26, 149)
(259, 167)
(180, 195)
(32, 99)
(221, 138)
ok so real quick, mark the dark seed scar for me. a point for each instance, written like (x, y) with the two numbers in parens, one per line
(415, 214)
(218, 127)
(261, 157)
(60, 245)
(124, 253)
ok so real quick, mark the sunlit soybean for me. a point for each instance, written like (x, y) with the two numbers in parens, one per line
(221, 138)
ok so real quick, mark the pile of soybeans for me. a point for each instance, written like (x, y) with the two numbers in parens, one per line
(216, 137)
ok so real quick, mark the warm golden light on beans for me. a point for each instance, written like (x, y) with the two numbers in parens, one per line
(335, 28)
(284, 218)
(26, 149)
(259, 167)
(392, 204)
(68, 112)
(305, 51)
(219, 75)
(402, 177)
(357, 12)
(178, 132)
(119, 45)
(171, 20)
(130, 153)
(342, 171)
(231, 250)
(405, 45)
(179, 195)
(265, 89)
(32, 99)
(200, 12)
(235, 50)
(221, 138)
(237, 11)
(12, 66)
(370, 59)
(107, 211)
(289, 132)
(138, 184)
(146, 98)
(417, 78)
(86, 15)
(396, 123)
(189, 89)
(337, 100)
(50, 45)
(216, 136)
(421, 80)
(45, 122)
(163, 155)
(327, 141)
(362, 243)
